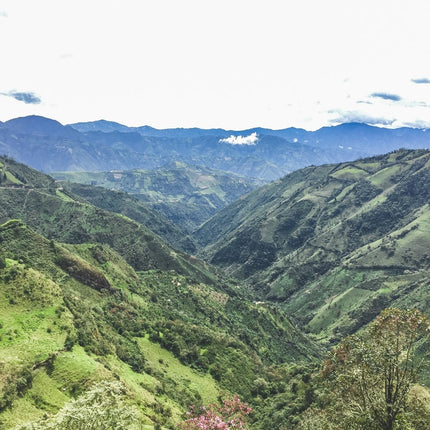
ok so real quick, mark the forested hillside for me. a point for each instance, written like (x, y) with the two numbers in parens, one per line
(186, 195)
(95, 306)
(100, 317)
(333, 245)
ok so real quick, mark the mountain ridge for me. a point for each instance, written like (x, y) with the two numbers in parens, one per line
(274, 154)
(329, 233)
(186, 195)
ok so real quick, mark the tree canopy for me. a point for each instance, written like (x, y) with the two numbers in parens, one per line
(370, 377)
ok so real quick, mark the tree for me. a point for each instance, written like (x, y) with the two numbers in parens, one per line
(229, 416)
(370, 375)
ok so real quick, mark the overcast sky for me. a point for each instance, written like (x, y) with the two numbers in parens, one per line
(227, 63)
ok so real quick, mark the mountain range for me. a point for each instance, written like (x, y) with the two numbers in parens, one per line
(266, 154)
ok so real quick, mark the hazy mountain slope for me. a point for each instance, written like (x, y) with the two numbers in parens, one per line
(186, 195)
(260, 153)
(74, 315)
(334, 244)
(355, 137)
(31, 140)
(46, 145)
(131, 207)
(35, 198)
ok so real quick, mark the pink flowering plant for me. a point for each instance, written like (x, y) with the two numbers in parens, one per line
(229, 416)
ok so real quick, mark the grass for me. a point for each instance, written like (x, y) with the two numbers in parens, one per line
(29, 334)
(12, 179)
(164, 361)
(349, 173)
(63, 196)
(383, 177)
(329, 314)
(75, 370)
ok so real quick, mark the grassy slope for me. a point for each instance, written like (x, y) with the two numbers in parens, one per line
(73, 315)
(334, 244)
(174, 332)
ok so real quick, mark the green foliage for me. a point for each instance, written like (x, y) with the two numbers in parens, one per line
(73, 220)
(131, 207)
(186, 195)
(15, 386)
(333, 245)
(89, 316)
(370, 376)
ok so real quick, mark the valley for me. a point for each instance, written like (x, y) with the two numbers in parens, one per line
(332, 245)
(186, 195)
(150, 280)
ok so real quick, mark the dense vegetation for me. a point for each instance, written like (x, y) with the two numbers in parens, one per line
(57, 214)
(186, 195)
(103, 324)
(171, 329)
(129, 206)
(371, 378)
(335, 244)
(78, 314)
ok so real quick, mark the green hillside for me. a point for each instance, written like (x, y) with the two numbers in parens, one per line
(55, 213)
(125, 204)
(94, 308)
(73, 316)
(335, 244)
(186, 195)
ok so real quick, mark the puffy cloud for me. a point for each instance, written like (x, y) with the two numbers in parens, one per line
(26, 97)
(421, 81)
(387, 96)
(252, 139)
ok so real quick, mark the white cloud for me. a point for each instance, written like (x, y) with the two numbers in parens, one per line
(252, 139)
(118, 66)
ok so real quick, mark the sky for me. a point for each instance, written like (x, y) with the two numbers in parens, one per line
(232, 64)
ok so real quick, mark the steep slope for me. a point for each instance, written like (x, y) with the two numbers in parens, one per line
(333, 244)
(186, 195)
(131, 207)
(38, 201)
(73, 316)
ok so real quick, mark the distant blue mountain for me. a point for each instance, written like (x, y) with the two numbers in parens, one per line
(47, 145)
